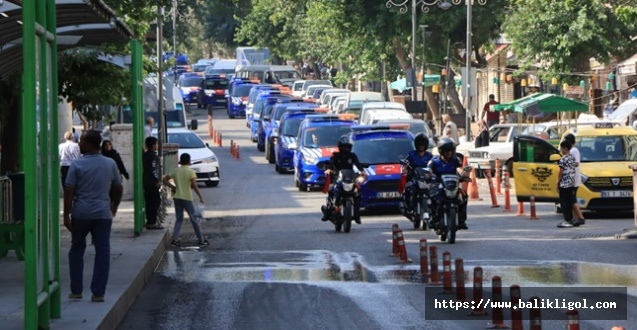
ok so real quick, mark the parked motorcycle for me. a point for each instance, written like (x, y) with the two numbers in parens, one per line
(450, 198)
(418, 207)
(348, 185)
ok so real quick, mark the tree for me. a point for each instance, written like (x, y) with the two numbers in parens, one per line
(572, 32)
(87, 82)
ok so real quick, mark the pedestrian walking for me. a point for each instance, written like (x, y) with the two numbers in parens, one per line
(184, 181)
(493, 117)
(68, 152)
(151, 182)
(108, 151)
(92, 194)
(482, 140)
(148, 129)
(450, 130)
(566, 183)
(578, 216)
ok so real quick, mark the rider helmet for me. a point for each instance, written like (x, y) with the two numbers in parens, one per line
(421, 140)
(344, 145)
(446, 145)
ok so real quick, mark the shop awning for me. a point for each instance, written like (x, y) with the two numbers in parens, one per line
(542, 103)
(401, 84)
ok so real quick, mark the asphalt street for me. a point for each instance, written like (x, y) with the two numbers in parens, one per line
(273, 264)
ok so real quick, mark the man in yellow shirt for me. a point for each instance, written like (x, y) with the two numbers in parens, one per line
(184, 179)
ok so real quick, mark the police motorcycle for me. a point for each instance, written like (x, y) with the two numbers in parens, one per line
(348, 185)
(449, 197)
(418, 206)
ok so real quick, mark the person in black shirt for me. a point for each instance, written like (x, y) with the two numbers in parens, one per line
(108, 151)
(344, 159)
(151, 182)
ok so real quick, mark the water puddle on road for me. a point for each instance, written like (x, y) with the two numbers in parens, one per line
(325, 266)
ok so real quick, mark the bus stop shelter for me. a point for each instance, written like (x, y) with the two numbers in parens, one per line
(32, 33)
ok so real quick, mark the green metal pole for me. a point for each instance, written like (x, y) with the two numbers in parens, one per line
(56, 295)
(138, 134)
(29, 164)
(43, 220)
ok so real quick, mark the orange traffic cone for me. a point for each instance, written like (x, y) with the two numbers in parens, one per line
(473, 186)
(532, 203)
(232, 148)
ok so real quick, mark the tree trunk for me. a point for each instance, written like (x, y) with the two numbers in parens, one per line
(83, 119)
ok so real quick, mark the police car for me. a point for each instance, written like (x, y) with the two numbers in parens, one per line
(287, 134)
(381, 147)
(212, 92)
(255, 92)
(238, 97)
(189, 87)
(271, 123)
(318, 139)
(606, 152)
(262, 107)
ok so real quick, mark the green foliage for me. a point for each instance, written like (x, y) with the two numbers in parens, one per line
(87, 82)
(563, 35)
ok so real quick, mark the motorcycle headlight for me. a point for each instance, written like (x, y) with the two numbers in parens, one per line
(451, 193)
(360, 179)
(584, 178)
(348, 186)
(310, 160)
(422, 185)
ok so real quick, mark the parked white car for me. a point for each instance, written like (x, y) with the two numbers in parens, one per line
(297, 88)
(373, 116)
(329, 94)
(381, 106)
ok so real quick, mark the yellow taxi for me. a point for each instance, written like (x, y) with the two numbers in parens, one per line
(606, 152)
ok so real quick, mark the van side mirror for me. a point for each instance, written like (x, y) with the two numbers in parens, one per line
(194, 124)
(555, 158)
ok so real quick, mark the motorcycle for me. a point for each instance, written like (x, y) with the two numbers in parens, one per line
(450, 198)
(348, 185)
(418, 208)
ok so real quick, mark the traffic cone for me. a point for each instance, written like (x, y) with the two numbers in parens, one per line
(473, 186)
(573, 319)
(395, 250)
(461, 294)
(478, 310)
(498, 177)
(232, 148)
(433, 266)
(494, 199)
(535, 315)
(447, 286)
(507, 193)
(520, 209)
(533, 214)
(237, 153)
(424, 266)
(220, 140)
(497, 318)
(402, 248)
(465, 185)
(516, 313)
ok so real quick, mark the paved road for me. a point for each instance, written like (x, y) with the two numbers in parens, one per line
(274, 265)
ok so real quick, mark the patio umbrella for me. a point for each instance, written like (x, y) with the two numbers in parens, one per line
(540, 103)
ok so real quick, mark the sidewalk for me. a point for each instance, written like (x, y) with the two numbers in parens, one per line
(133, 261)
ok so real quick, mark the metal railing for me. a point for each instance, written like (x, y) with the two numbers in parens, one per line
(6, 201)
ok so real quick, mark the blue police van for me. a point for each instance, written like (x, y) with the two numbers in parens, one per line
(271, 122)
(286, 136)
(262, 107)
(381, 147)
(318, 140)
(189, 87)
(237, 100)
(212, 92)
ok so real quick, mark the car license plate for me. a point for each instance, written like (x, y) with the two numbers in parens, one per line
(617, 194)
(388, 194)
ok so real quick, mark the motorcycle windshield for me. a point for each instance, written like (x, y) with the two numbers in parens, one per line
(421, 173)
(347, 175)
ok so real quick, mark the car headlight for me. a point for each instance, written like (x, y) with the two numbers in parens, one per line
(209, 159)
(310, 160)
(209, 93)
(584, 178)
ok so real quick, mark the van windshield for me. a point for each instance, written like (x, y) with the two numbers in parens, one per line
(623, 111)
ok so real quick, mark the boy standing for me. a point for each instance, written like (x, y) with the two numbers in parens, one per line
(566, 184)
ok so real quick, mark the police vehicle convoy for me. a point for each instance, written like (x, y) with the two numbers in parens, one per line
(272, 123)
(263, 107)
(237, 100)
(212, 92)
(286, 137)
(318, 140)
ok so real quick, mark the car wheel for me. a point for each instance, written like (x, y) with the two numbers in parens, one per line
(260, 147)
(271, 155)
(302, 187)
(212, 183)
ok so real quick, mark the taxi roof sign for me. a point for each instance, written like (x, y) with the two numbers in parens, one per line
(604, 125)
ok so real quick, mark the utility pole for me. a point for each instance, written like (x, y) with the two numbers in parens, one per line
(414, 83)
(448, 71)
(424, 66)
(467, 80)
(160, 89)
(175, 40)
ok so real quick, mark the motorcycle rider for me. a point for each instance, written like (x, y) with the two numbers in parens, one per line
(447, 162)
(416, 158)
(343, 159)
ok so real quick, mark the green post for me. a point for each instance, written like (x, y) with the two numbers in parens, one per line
(138, 134)
(28, 160)
(56, 296)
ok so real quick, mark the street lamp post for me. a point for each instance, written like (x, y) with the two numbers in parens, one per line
(442, 4)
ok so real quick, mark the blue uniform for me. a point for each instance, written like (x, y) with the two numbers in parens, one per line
(440, 167)
(415, 160)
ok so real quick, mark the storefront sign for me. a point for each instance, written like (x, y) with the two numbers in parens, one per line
(627, 69)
